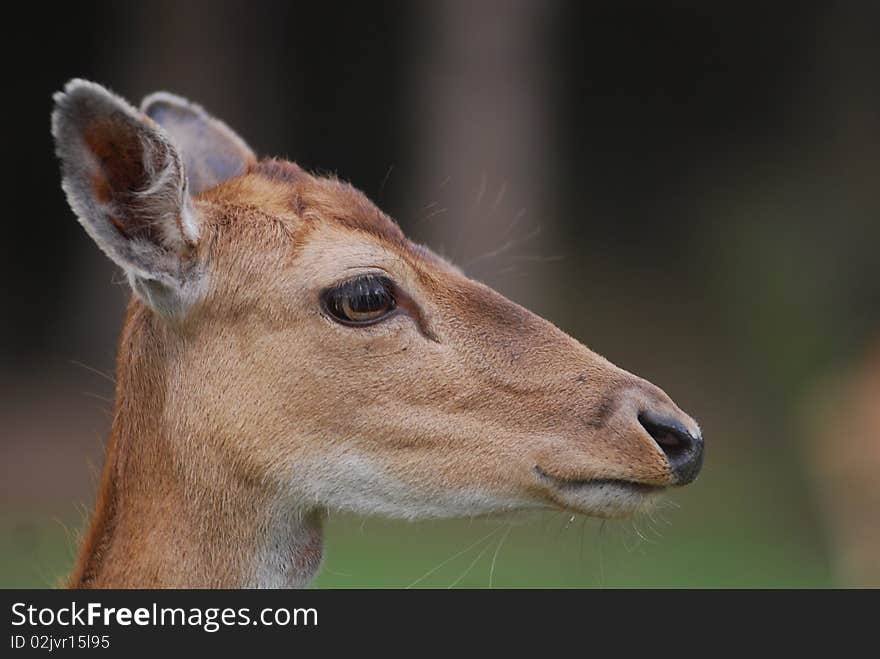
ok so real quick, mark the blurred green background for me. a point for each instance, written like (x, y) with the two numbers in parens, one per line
(690, 189)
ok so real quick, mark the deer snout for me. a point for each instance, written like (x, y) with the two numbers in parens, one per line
(683, 448)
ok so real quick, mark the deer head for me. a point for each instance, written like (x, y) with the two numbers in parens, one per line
(288, 343)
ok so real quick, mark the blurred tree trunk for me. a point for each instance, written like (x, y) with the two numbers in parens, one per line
(843, 416)
(483, 132)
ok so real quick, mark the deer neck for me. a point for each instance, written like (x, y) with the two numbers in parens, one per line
(170, 514)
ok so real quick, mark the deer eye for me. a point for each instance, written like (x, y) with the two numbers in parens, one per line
(361, 301)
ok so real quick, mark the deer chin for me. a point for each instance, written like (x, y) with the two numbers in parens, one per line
(606, 498)
(342, 479)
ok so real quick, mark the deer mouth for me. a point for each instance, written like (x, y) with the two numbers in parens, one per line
(578, 483)
(601, 497)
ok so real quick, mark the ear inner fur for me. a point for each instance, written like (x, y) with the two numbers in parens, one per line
(126, 183)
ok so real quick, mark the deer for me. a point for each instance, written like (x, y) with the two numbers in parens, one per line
(288, 353)
(844, 404)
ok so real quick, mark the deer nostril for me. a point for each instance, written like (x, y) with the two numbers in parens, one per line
(683, 450)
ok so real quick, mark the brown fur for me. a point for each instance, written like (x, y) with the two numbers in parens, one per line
(211, 414)
(244, 412)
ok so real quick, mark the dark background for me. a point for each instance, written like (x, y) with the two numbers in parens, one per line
(690, 189)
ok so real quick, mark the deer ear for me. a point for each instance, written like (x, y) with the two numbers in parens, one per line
(125, 181)
(212, 152)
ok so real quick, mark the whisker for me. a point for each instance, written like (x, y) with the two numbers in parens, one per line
(94, 370)
(454, 556)
(69, 533)
(642, 537)
(469, 568)
(437, 211)
(502, 190)
(655, 530)
(516, 218)
(385, 180)
(630, 548)
(506, 246)
(482, 190)
(97, 396)
(491, 254)
(498, 551)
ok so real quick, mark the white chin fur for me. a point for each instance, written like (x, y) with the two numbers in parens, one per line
(607, 500)
(354, 483)
(357, 484)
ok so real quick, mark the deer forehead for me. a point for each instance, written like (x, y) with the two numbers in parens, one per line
(318, 230)
(282, 189)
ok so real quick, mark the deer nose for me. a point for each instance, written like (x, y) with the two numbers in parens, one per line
(683, 450)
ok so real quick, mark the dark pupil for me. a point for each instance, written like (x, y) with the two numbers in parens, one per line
(367, 294)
